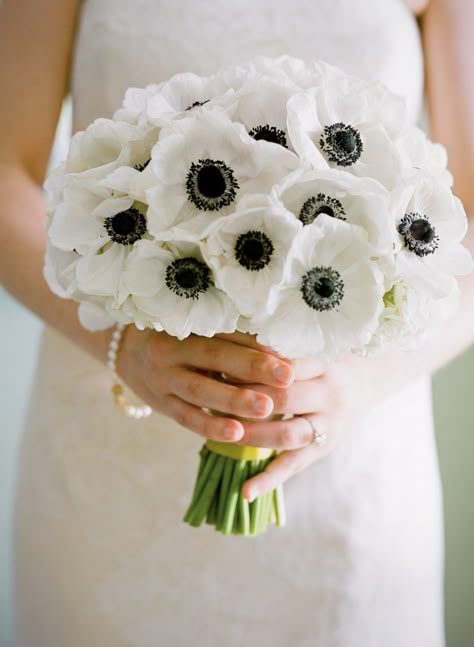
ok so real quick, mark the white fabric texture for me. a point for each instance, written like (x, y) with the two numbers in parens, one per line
(102, 558)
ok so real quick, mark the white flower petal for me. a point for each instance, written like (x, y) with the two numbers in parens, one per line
(100, 274)
(72, 228)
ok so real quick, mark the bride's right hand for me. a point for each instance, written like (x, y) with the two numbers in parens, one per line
(175, 378)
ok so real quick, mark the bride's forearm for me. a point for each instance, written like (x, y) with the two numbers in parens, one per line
(22, 247)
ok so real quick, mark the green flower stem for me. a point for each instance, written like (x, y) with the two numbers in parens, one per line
(208, 491)
(243, 506)
(209, 462)
(224, 491)
(212, 512)
(255, 515)
(204, 454)
(262, 519)
(218, 501)
(268, 509)
(232, 497)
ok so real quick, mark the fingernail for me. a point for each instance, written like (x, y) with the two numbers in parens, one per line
(231, 433)
(282, 373)
(262, 405)
(253, 494)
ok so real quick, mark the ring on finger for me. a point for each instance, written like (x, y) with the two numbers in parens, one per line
(318, 437)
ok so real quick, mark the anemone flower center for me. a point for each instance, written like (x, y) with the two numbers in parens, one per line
(269, 134)
(126, 227)
(254, 250)
(345, 140)
(341, 143)
(422, 230)
(211, 185)
(418, 234)
(316, 205)
(322, 288)
(210, 181)
(187, 277)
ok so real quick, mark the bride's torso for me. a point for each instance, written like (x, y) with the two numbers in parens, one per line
(101, 497)
(121, 44)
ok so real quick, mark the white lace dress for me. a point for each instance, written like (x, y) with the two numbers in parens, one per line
(102, 558)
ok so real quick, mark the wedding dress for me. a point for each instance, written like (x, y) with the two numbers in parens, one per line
(102, 557)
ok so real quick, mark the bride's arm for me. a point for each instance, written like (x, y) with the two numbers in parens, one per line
(35, 50)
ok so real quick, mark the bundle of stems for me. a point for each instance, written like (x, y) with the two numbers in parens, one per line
(217, 499)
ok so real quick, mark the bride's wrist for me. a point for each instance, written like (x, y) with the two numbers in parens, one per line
(114, 351)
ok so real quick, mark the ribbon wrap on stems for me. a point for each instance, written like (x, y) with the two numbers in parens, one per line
(217, 498)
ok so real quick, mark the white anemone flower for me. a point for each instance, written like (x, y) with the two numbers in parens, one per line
(261, 105)
(134, 104)
(358, 201)
(204, 165)
(97, 154)
(102, 235)
(186, 93)
(350, 124)
(248, 252)
(174, 289)
(412, 315)
(431, 224)
(106, 145)
(332, 298)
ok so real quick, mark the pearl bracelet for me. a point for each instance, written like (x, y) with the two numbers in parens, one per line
(130, 410)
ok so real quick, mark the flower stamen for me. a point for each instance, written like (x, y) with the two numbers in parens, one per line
(269, 134)
(196, 104)
(316, 205)
(142, 167)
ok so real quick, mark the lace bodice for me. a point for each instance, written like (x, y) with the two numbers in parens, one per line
(121, 44)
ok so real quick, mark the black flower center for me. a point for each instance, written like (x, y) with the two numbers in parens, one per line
(254, 250)
(126, 227)
(345, 140)
(322, 288)
(188, 277)
(269, 134)
(316, 205)
(210, 181)
(418, 234)
(341, 143)
(211, 185)
(196, 104)
(422, 230)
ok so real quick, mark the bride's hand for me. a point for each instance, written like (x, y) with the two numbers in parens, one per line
(170, 376)
(331, 397)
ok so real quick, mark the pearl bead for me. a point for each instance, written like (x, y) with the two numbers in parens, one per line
(130, 410)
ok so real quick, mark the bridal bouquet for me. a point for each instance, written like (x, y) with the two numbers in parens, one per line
(279, 198)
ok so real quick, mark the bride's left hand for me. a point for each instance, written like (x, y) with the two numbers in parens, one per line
(332, 397)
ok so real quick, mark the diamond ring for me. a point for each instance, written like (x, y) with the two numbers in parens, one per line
(318, 437)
